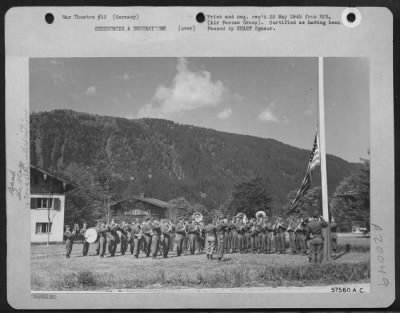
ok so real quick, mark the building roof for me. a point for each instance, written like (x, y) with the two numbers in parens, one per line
(69, 185)
(152, 201)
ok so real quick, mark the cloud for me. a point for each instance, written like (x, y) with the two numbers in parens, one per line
(91, 91)
(188, 91)
(267, 115)
(225, 114)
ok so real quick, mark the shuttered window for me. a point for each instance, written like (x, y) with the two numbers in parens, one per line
(43, 228)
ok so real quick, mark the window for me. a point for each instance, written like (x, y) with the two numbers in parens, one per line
(41, 203)
(43, 228)
(134, 212)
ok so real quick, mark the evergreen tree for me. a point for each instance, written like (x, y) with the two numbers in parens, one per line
(251, 196)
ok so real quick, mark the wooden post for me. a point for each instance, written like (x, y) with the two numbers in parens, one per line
(322, 151)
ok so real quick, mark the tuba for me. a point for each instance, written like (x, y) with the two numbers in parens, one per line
(197, 216)
(260, 214)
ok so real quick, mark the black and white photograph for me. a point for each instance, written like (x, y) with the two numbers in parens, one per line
(176, 173)
(199, 157)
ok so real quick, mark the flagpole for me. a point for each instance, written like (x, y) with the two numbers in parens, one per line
(321, 137)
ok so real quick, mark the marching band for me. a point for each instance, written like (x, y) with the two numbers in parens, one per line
(239, 235)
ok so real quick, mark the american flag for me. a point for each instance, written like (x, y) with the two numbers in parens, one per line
(313, 162)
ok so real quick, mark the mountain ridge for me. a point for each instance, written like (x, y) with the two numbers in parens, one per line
(169, 160)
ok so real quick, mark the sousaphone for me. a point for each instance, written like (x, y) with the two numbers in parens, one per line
(242, 216)
(260, 214)
(197, 216)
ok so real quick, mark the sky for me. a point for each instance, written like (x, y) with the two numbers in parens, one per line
(264, 97)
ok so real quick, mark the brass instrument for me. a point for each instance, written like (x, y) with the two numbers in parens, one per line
(260, 214)
(242, 216)
(197, 216)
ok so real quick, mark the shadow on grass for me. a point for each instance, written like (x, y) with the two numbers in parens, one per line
(340, 254)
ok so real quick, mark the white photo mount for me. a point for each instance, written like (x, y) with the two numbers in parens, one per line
(157, 32)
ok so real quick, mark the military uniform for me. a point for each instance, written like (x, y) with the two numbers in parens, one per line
(136, 239)
(147, 238)
(253, 237)
(240, 241)
(234, 236)
(124, 238)
(210, 231)
(180, 235)
(314, 228)
(165, 239)
(102, 243)
(69, 241)
(85, 244)
(155, 239)
(281, 229)
(333, 227)
(261, 237)
(246, 237)
(112, 239)
(292, 239)
(268, 237)
(227, 239)
(193, 232)
(221, 228)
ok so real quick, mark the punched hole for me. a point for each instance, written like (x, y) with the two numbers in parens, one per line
(351, 17)
(200, 17)
(49, 18)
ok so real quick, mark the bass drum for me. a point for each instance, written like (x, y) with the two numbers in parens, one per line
(91, 235)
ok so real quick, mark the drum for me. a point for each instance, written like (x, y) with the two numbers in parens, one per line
(91, 235)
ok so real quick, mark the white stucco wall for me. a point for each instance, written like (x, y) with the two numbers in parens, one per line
(41, 216)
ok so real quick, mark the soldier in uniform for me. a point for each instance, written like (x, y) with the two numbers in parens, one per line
(314, 229)
(166, 230)
(172, 238)
(102, 243)
(124, 229)
(147, 236)
(180, 234)
(193, 232)
(202, 237)
(210, 231)
(155, 239)
(111, 233)
(333, 227)
(227, 239)
(246, 235)
(240, 234)
(292, 241)
(261, 235)
(234, 235)
(253, 235)
(69, 240)
(281, 229)
(275, 240)
(268, 237)
(297, 233)
(85, 244)
(221, 228)
(136, 239)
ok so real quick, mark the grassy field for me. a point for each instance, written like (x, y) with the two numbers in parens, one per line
(50, 270)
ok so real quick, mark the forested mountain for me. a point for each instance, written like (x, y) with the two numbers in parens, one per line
(166, 160)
